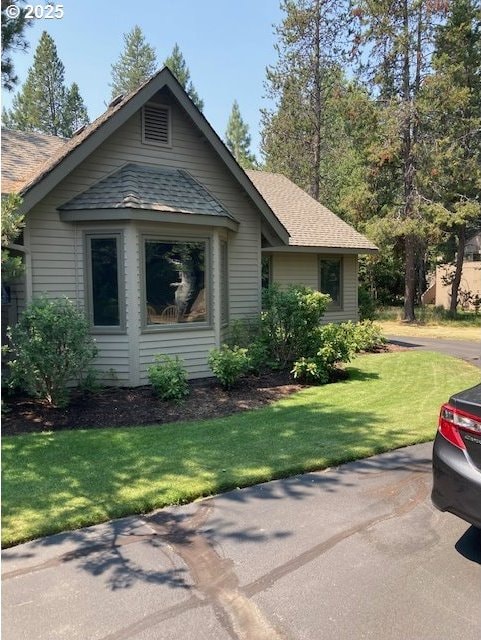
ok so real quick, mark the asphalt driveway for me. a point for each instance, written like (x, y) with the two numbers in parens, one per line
(469, 351)
(352, 552)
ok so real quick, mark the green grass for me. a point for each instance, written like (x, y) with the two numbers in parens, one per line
(58, 481)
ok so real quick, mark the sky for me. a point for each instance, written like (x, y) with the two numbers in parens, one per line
(227, 45)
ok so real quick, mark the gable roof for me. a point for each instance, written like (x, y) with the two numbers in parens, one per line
(309, 223)
(33, 164)
(137, 186)
(46, 176)
(22, 154)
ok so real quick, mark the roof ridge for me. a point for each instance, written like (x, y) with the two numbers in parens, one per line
(39, 134)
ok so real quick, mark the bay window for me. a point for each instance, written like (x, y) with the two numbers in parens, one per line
(175, 282)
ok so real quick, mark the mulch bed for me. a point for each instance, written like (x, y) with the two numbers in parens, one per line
(124, 407)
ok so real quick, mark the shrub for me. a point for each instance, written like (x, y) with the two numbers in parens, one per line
(51, 347)
(310, 370)
(228, 364)
(335, 345)
(289, 322)
(367, 306)
(243, 333)
(246, 333)
(367, 336)
(168, 377)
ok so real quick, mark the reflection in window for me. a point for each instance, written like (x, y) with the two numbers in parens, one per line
(224, 283)
(175, 282)
(331, 280)
(266, 271)
(104, 284)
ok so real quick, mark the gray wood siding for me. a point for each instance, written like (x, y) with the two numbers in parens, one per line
(191, 345)
(57, 253)
(303, 268)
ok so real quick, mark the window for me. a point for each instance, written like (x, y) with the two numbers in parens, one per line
(104, 300)
(266, 271)
(156, 125)
(331, 280)
(224, 283)
(175, 282)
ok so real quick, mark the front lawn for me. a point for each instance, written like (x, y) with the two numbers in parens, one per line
(65, 480)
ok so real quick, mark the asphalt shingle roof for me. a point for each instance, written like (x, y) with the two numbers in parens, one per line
(26, 157)
(43, 165)
(308, 222)
(23, 152)
(156, 188)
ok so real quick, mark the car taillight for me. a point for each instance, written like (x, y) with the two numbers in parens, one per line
(452, 420)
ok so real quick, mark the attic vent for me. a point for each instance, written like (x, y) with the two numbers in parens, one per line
(156, 125)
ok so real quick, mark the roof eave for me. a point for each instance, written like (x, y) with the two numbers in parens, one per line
(321, 249)
(147, 215)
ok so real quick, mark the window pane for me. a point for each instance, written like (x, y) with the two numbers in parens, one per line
(266, 271)
(224, 283)
(175, 282)
(105, 282)
(331, 279)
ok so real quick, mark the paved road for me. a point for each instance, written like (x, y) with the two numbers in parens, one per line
(349, 553)
(470, 351)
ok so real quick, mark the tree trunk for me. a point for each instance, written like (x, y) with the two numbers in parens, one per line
(410, 278)
(421, 261)
(453, 306)
(317, 97)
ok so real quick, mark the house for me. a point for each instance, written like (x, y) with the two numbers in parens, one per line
(146, 220)
(469, 295)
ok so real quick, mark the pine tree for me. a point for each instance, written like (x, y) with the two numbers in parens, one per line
(13, 39)
(136, 63)
(43, 103)
(76, 115)
(451, 144)
(12, 223)
(177, 64)
(238, 139)
(397, 39)
(298, 133)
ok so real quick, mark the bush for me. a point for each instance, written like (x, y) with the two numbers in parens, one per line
(243, 333)
(310, 370)
(367, 336)
(367, 306)
(51, 347)
(335, 345)
(289, 322)
(168, 377)
(228, 364)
